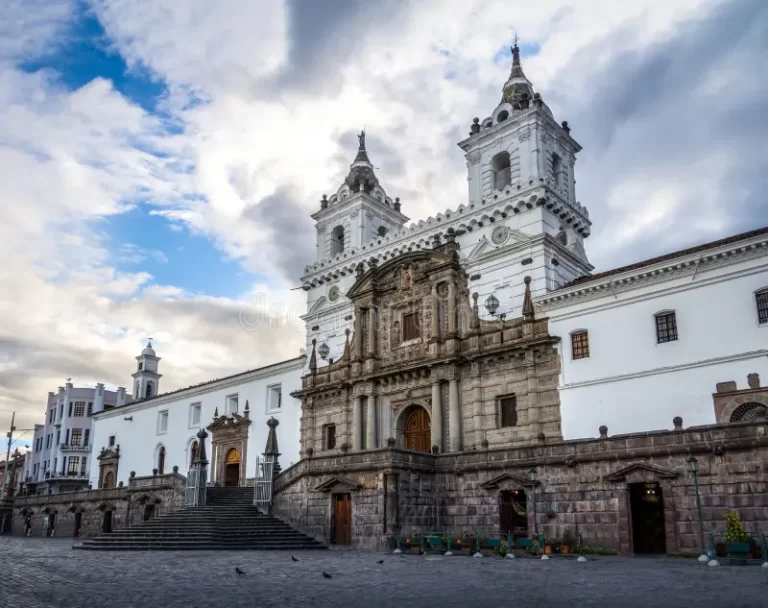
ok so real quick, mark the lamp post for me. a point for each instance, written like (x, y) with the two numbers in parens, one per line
(532, 477)
(693, 467)
(492, 305)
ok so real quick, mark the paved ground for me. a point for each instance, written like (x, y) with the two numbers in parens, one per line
(47, 573)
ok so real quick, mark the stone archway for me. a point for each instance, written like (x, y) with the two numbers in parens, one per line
(414, 428)
(229, 433)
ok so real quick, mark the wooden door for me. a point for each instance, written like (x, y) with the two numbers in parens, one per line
(341, 534)
(418, 431)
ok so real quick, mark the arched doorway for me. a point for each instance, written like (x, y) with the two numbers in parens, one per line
(417, 430)
(109, 480)
(232, 468)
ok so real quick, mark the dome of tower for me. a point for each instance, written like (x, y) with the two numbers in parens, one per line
(148, 351)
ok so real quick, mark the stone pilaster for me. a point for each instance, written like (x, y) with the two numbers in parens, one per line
(454, 415)
(357, 423)
(437, 417)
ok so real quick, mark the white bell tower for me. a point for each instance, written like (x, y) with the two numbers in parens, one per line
(146, 379)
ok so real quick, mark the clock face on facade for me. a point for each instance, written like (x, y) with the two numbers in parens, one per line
(499, 235)
(333, 294)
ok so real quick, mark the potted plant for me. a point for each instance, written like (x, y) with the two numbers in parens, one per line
(501, 549)
(736, 536)
(534, 549)
(568, 541)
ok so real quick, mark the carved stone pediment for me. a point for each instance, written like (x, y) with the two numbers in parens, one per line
(340, 483)
(508, 479)
(226, 422)
(639, 472)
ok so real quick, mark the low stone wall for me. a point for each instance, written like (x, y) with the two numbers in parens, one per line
(84, 513)
(581, 487)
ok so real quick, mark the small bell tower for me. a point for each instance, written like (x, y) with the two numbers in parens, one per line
(146, 379)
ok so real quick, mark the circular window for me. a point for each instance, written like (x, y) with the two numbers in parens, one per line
(499, 235)
(503, 115)
(333, 294)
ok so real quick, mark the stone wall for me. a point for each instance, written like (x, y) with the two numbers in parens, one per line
(582, 487)
(126, 505)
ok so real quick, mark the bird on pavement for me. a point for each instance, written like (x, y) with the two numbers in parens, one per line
(238, 570)
(293, 559)
(326, 575)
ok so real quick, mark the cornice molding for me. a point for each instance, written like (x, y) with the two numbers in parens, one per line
(674, 268)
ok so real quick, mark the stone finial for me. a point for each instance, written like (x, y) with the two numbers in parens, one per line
(247, 410)
(346, 355)
(391, 442)
(753, 380)
(132, 474)
(216, 413)
(484, 443)
(435, 449)
(397, 203)
(359, 271)
(475, 128)
(372, 263)
(154, 472)
(528, 313)
(603, 431)
(475, 311)
(324, 202)
(313, 357)
(678, 422)
(566, 128)
(436, 241)
(119, 484)
(541, 437)
(175, 469)
(202, 456)
(725, 387)
(344, 447)
(309, 451)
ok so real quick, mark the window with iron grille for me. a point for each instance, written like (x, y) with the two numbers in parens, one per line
(666, 327)
(580, 345)
(508, 410)
(77, 435)
(90, 408)
(72, 464)
(87, 439)
(762, 306)
(79, 408)
(83, 466)
(330, 436)
(411, 326)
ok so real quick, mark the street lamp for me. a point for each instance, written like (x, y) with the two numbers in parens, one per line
(532, 477)
(492, 304)
(693, 467)
(323, 351)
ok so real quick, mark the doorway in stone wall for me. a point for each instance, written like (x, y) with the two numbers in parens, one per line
(647, 507)
(149, 512)
(232, 468)
(341, 523)
(106, 525)
(513, 513)
(78, 523)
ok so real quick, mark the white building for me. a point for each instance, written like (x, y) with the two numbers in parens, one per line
(659, 335)
(60, 455)
(648, 342)
(521, 217)
(159, 432)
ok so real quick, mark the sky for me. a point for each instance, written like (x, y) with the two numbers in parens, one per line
(160, 160)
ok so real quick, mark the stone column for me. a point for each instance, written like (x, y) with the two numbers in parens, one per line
(477, 401)
(357, 423)
(454, 413)
(534, 414)
(451, 309)
(437, 417)
(435, 314)
(371, 331)
(358, 333)
(370, 424)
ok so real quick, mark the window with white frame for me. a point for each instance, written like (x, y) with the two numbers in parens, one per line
(231, 404)
(162, 422)
(274, 398)
(111, 441)
(194, 415)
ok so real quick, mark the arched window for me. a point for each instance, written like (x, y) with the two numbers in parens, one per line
(382, 231)
(750, 412)
(502, 175)
(557, 167)
(148, 392)
(161, 460)
(337, 240)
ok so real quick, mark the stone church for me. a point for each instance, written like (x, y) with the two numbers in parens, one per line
(431, 400)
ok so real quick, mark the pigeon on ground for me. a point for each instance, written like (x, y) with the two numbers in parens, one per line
(238, 570)
(326, 575)
(293, 559)
(381, 561)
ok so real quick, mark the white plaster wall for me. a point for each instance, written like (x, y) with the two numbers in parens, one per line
(630, 382)
(139, 439)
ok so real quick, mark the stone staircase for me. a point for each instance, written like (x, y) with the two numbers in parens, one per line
(229, 521)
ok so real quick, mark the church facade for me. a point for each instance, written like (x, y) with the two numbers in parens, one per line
(468, 374)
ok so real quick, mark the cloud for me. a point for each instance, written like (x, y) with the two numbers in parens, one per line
(261, 105)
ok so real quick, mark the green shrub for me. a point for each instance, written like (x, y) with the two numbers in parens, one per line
(735, 532)
(502, 549)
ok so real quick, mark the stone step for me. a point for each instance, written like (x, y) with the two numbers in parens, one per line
(207, 547)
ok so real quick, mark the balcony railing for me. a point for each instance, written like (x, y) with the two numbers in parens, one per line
(74, 448)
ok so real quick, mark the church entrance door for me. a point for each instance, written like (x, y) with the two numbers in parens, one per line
(513, 515)
(418, 431)
(341, 533)
(232, 468)
(647, 505)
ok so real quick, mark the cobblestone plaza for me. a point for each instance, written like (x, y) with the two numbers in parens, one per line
(47, 573)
